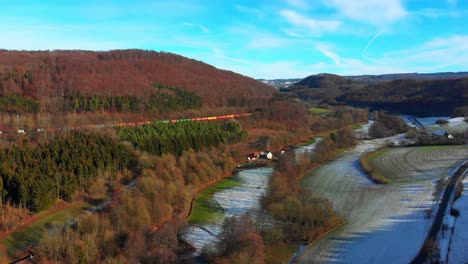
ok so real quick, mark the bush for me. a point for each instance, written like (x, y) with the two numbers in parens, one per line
(454, 212)
(442, 122)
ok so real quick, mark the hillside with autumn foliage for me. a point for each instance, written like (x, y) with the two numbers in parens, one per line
(50, 77)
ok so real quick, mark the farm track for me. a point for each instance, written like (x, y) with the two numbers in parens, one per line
(377, 216)
(446, 199)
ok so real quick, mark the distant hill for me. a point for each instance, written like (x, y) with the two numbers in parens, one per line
(324, 87)
(47, 76)
(280, 83)
(372, 79)
(417, 97)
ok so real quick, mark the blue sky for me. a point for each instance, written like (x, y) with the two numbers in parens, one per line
(260, 39)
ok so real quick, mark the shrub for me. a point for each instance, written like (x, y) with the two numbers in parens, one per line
(442, 122)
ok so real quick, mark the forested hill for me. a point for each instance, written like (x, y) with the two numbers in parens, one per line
(422, 98)
(324, 87)
(373, 79)
(48, 76)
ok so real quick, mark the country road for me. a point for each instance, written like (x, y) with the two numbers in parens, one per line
(446, 199)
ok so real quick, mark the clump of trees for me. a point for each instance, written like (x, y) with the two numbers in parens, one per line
(301, 217)
(15, 103)
(173, 138)
(238, 242)
(338, 118)
(387, 125)
(34, 176)
(426, 139)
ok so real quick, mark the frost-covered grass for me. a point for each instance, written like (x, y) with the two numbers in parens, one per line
(204, 208)
(241, 197)
(307, 142)
(455, 125)
(384, 223)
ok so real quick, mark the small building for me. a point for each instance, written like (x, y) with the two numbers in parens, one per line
(252, 156)
(442, 133)
(266, 155)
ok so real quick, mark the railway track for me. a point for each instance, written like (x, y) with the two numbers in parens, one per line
(128, 124)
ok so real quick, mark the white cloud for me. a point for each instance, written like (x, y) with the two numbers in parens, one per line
(312, 26)
(456, 42)
(377, 12)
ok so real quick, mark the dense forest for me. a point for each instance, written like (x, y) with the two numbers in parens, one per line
(35, 176)
(415, 97)
(324, 87)
(173, 138)
(143, 225)
(409, 96)
(47, 77)
(15, 103)
(162, 99)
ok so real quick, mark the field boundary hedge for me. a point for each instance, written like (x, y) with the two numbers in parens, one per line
(364, 163)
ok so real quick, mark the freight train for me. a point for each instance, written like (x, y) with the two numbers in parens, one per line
(129, 124)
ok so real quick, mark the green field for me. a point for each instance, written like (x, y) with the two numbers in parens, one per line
(318, 111)
(308, 142)
(279, 254)
(401, 165)
(204, 207)
(32, 234)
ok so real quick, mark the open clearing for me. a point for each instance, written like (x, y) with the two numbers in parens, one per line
(31, 234)
(234, 200)
(204, 209)
(316, 110)
(383, 222)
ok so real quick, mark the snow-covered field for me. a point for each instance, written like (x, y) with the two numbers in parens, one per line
(459, 244)
(307, 149)
(455, 125)
(384, 223)
(236, 200)
(405, 164)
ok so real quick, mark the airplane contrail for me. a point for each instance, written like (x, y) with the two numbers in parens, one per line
(380, 33)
